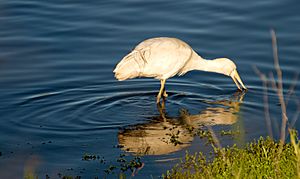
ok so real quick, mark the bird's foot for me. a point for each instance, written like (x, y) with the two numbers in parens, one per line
(165, 94)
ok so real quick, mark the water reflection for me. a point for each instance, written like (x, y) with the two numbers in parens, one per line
(225, 112)
(165, 134)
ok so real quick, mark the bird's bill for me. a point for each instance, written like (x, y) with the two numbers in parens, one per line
(237, 80)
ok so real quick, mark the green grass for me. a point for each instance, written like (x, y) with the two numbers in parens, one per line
(258, 159)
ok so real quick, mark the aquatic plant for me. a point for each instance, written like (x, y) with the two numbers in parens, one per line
(258, 159)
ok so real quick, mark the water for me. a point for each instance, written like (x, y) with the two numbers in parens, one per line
(59, 99)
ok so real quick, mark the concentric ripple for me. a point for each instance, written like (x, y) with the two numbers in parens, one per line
(104, 106)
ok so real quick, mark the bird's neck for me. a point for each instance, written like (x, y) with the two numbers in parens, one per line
(208, 65)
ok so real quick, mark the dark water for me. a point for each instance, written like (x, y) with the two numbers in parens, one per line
(59, 99)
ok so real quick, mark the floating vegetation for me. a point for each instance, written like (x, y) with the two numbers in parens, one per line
(88, 157)
(119, 146)
(230, 133)
(174, 138)
(71, 177)
(124, 165)
(204, 134)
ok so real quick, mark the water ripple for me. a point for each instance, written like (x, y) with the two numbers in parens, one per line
(56, 62)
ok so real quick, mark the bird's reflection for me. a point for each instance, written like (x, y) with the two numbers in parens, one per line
(164, 134)
(226, 113)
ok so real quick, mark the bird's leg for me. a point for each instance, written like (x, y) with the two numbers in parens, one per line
(162, 110)
(162, 86)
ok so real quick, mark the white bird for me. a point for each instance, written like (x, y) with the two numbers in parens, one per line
(165, 57)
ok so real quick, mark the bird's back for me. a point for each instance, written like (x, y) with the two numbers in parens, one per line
(161, 58)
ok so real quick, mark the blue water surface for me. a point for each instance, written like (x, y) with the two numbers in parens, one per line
(60, 100)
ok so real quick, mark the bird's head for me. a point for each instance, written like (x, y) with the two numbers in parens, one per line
(228, 68)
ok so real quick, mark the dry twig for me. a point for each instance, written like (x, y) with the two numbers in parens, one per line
(279, 90)
(266, 100)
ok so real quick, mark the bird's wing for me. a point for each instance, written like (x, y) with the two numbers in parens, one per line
(180, 58)
(166, 56)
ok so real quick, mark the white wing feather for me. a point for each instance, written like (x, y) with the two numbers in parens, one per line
(161, 58)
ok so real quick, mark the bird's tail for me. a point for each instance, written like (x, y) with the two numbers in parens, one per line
(128, 67)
